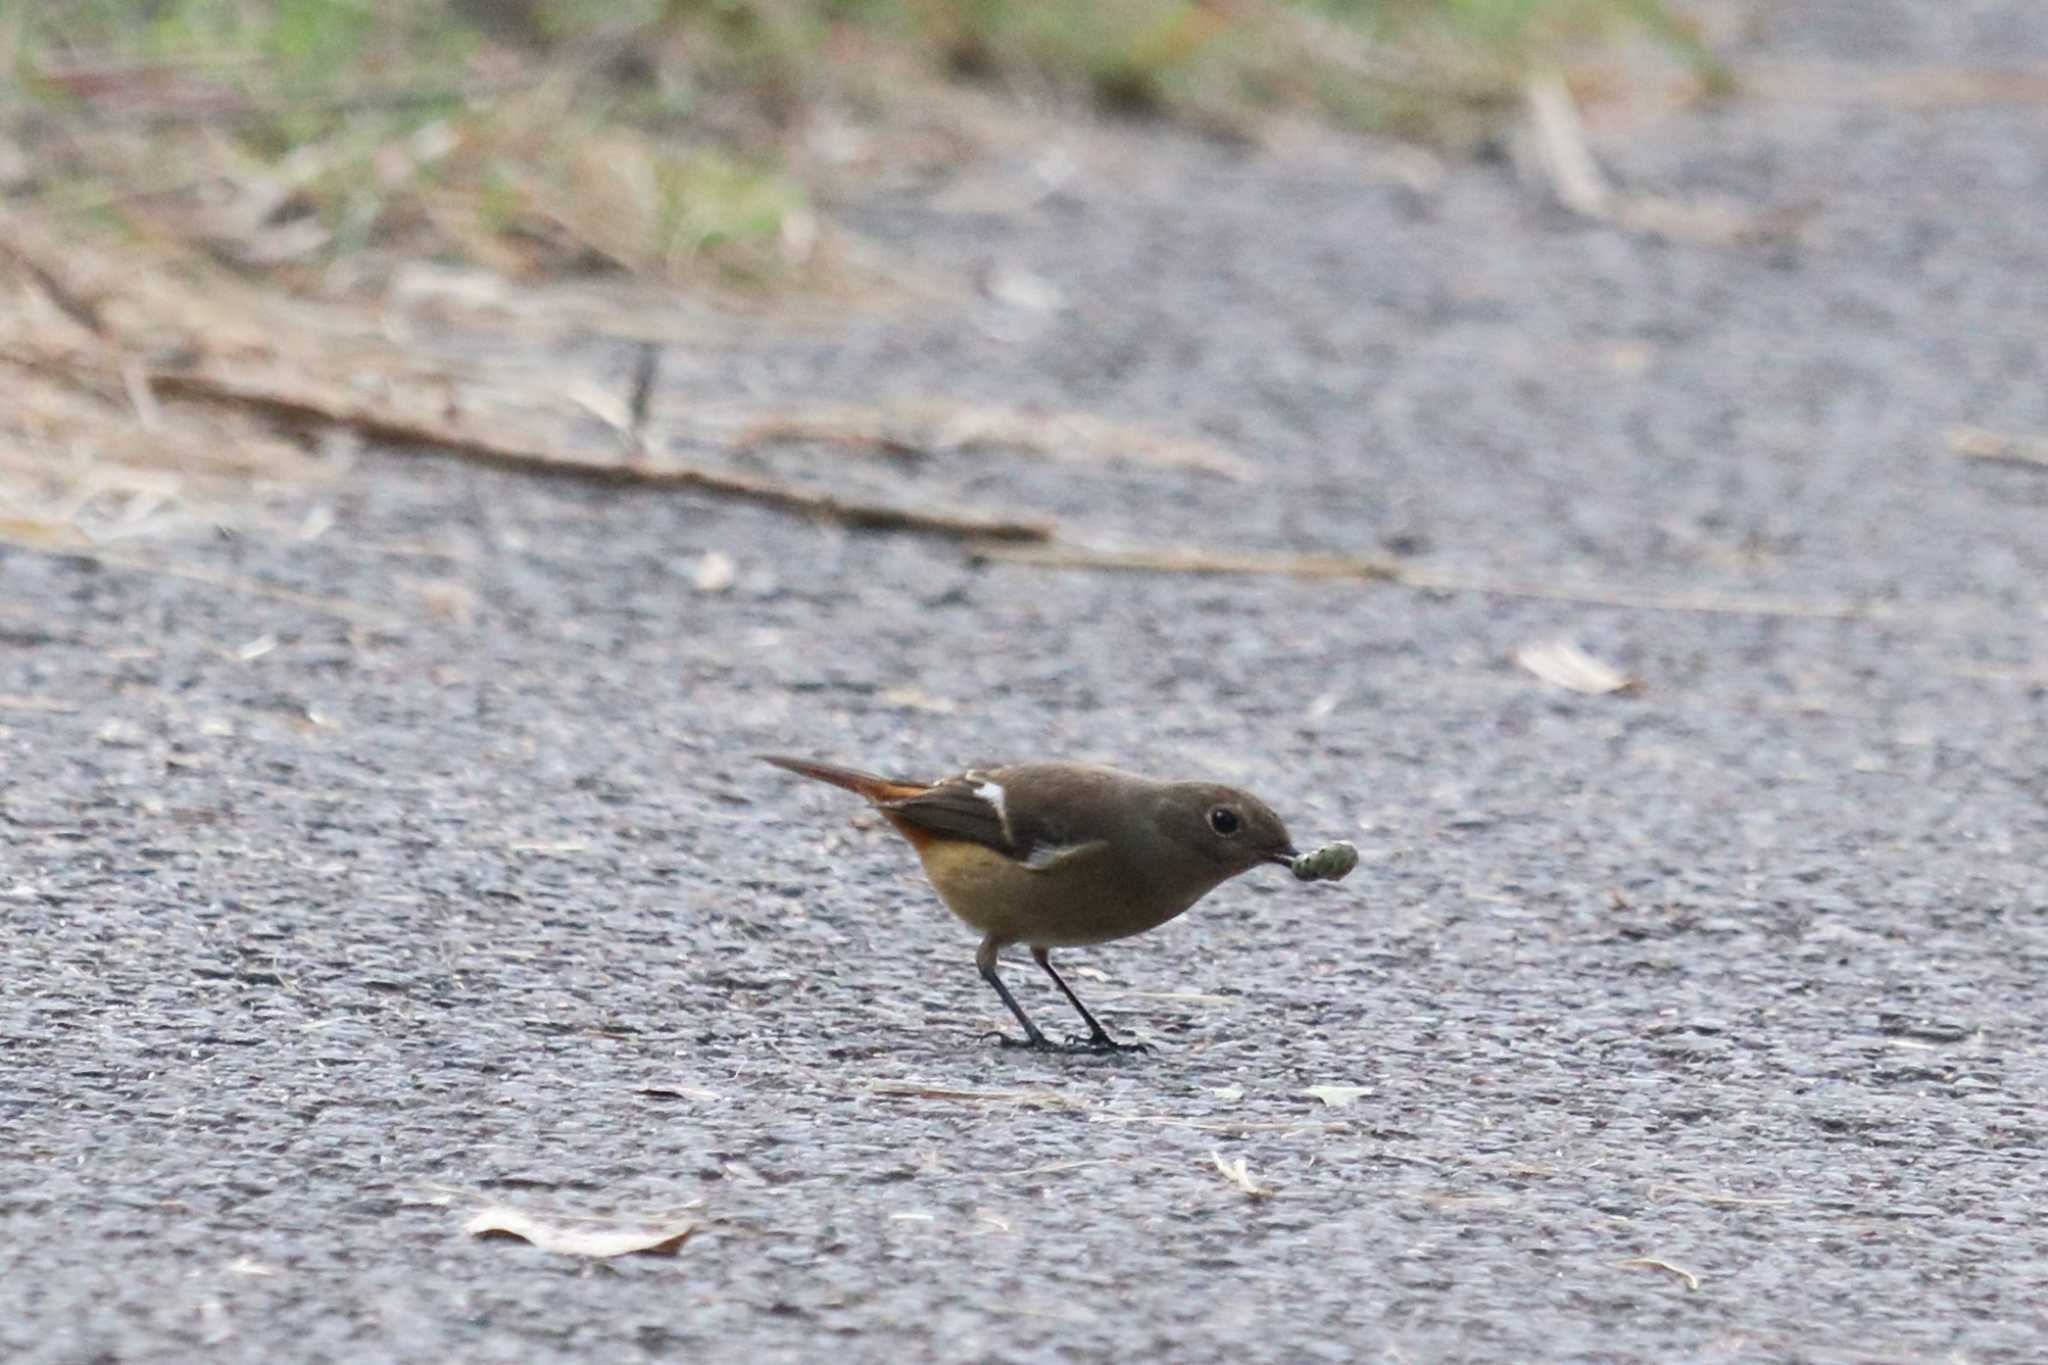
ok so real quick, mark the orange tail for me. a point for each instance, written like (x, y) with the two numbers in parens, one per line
(867, 784)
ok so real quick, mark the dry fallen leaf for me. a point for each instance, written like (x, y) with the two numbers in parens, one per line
(1568, 666)
(1338, 1096)
(1240, 1175)
(600, 1238)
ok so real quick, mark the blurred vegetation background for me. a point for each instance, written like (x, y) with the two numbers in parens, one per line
(308, 141)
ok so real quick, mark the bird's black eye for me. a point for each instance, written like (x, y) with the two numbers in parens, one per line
(1224, 821)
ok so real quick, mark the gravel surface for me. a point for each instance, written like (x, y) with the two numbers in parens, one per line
(1702, 1023)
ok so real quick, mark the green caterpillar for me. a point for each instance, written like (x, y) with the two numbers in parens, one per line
(1330, 863)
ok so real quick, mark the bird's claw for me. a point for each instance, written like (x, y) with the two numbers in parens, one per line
(1102, 1045)
(1102, 1042)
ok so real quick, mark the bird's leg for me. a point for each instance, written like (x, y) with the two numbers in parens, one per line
(1098, 1036)
(985, 959)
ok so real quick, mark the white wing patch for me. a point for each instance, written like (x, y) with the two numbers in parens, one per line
(1051, 856)
(992, 792)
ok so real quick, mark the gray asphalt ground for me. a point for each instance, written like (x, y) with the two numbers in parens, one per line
(311, 954)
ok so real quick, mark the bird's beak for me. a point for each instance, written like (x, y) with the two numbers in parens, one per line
(1283, 855)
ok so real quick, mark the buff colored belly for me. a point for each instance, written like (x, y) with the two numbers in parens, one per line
(1089, 898)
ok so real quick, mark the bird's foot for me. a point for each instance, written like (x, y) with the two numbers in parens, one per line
(1101, 1045)
(1102, 1042)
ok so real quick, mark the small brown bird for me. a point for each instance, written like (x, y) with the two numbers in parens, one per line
(1053, 855)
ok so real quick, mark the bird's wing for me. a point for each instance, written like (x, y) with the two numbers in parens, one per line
(977, 806)
(969, 807)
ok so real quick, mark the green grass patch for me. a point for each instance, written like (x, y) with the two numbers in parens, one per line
(653, 135)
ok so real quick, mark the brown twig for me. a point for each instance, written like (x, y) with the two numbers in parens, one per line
(931, 426)
(412, 409)
(1197, 560)
(1192, 560)
(1712, 604)
(288, 399)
